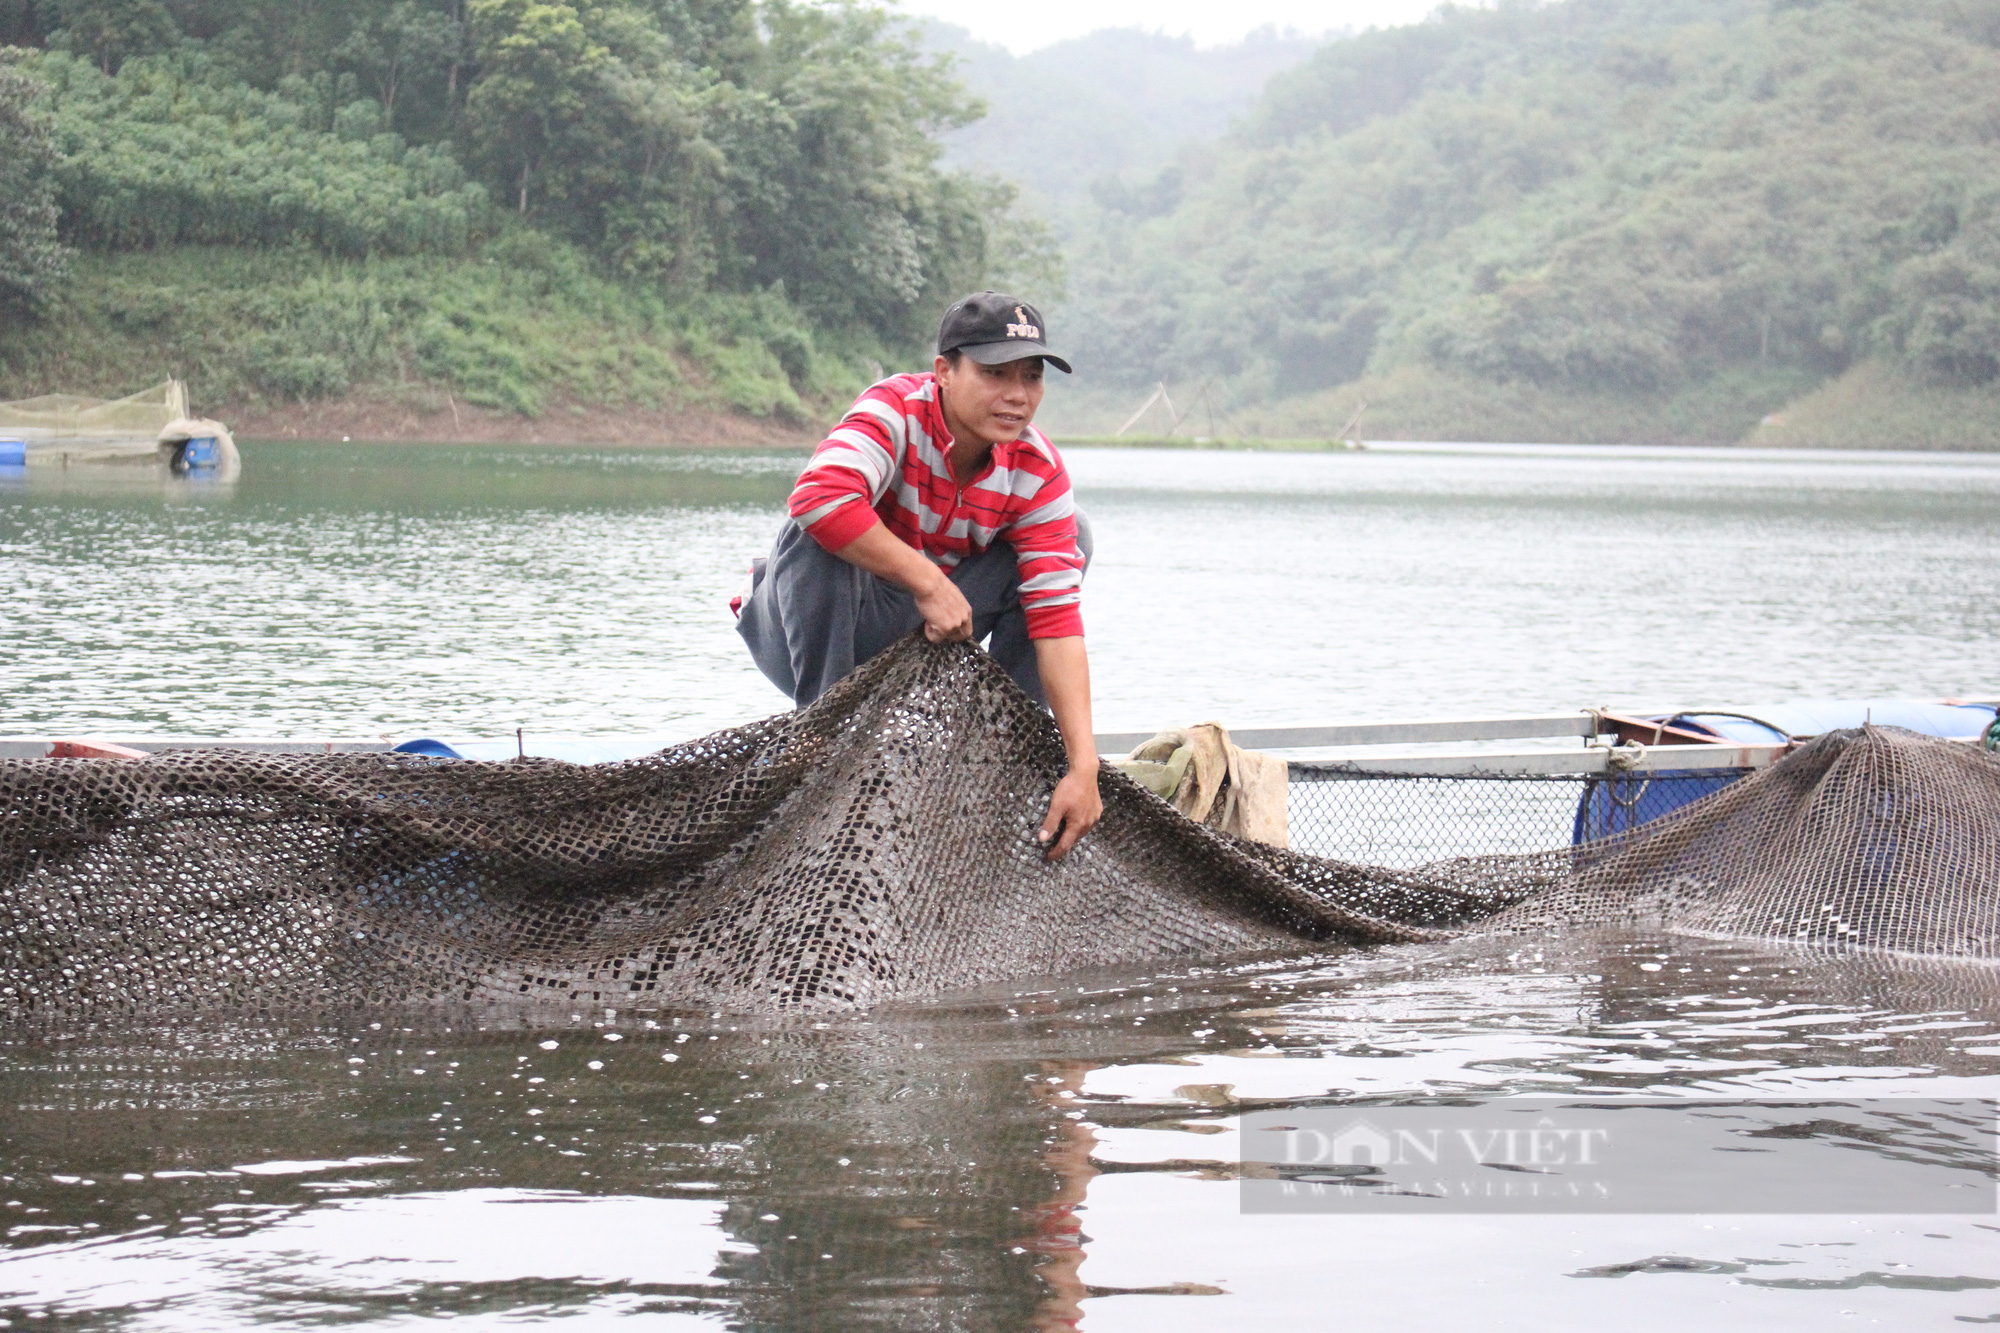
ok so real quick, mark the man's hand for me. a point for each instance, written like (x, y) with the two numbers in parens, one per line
(947, 615)
(1076, 807)
(1073, 811)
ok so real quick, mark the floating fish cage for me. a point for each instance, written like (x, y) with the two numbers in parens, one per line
(1402, 793)
(1392, 794)
(148, 429)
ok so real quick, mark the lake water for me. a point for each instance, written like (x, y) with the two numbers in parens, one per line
(341, 590)
(1053, 1156)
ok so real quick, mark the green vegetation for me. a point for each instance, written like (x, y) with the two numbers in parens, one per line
(1698, 220)
(31, 259)
(1872, 407)
(1603, 219)
(169, 152)
(705, 202)
(521, 325)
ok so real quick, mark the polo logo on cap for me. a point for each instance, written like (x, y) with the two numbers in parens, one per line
(1023, 329)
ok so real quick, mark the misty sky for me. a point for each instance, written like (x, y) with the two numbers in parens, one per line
(1025, 25)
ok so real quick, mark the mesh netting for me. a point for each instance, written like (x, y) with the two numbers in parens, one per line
(1404, 819)
(878, 845)
(71, 418)
(1408, 819)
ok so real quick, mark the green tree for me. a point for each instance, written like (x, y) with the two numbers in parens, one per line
(388, 49)
(169, 151)
(1943, 316)
(111, 31)
(20, 23)
(666, 211)
(773, 158)
(838, 193)
(32, 262)
(542, 77)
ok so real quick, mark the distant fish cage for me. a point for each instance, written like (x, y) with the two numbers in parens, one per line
(1403, 793)
(152, 427)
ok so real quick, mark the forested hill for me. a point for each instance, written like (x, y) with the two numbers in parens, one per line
(1601, 219)
(730, 204)
(1091, 116)
(1704, 220)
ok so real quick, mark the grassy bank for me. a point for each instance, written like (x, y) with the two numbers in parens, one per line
(525, 341)
(1424, 403)
(520, 338)
(1873, 406)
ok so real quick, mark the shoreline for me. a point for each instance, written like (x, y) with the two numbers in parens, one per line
(365, 421)
(361, 419)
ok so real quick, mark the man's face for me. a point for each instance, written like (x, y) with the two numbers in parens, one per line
(990, 403)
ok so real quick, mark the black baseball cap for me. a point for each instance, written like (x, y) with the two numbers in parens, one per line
(993, 329)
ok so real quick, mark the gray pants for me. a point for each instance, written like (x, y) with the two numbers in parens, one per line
(811, 617)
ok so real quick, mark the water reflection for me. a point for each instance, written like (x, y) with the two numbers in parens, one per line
(1050, 1158)
(1055, 1228)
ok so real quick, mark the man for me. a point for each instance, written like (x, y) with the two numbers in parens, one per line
(936, 502)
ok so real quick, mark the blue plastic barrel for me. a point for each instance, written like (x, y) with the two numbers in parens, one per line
(427, 747)
(1618, 802)
(13, 453)
(202, 452)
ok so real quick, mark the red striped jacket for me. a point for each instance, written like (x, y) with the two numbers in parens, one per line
(886, 459)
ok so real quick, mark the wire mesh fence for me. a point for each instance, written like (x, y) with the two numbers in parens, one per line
(1400, 820)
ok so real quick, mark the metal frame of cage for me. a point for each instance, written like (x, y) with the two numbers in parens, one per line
(1391, 798)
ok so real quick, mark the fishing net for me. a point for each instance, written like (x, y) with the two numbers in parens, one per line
(878, 845)
(70, 418)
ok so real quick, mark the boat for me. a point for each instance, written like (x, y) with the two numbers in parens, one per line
(1395, 793)
(152, 429)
